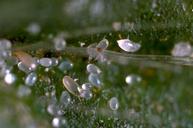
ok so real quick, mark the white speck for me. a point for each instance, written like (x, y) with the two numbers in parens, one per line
(34, 28)
(59, 43)
(128, 46)
(23, 91)
(58, 122)
(87, 94)
(5, 44)
(91, 68)
(9, 78)
(81, 44)
(31, 79)
(45, 62)
(114, 103)
(70, 85)
(65, 98)
(102, 45)
(182, 49)
(65, 65)
(94, 79)
(131, 79)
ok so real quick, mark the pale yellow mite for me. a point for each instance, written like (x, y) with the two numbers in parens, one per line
(24, 57)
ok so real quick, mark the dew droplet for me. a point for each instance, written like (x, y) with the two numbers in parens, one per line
(59, 43)
(45, 62)
(116, 26)
(4, 70)
(65, 65)
(182, 49)
(9, 78)
(65, 98)
(132, 79)
(34, 28)
(87, 94)
(59, 122)
(31, 79)
(54, 61)
(86, 86)
(70, 85)
(23, 91)
(91, 68)
(23, 67)
(114, 103)
(53, 109)
(94, 79)
(5, 44)
(128, 46)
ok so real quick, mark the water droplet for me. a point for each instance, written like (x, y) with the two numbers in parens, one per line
(182, 49)
(91, 68)
(132, 79)
(54, 61)
(31, 79)
(53, 109)
(45, 62)
(59, 122)
(70, 85)
(87, 94)
(86, 86)
(4, 69)
(34, 64)
(94, 79)
(9, 78)
(65, 98)
(116, 26)
(102, 45)
(23, 67)
(59, 43)
(128, 46)
(5, 44)
(65, 65)
(114, 103)
(5, 54)
(23, 91)
(33, 28)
